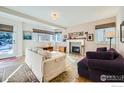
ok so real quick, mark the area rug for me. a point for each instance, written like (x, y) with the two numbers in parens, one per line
(22, 74)
(6, 69)
(11, 59)
(17, 73)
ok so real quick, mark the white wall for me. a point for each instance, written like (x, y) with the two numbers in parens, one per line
(19, 37)
(90, 28)
(120, 18)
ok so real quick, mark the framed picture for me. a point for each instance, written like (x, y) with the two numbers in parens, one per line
(90, 37)
(65, 36)
(69, 35)
(75, 35)
(81, 33)
(27, 35)
(122, 32)
(86, 33)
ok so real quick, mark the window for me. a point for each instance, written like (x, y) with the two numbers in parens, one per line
(101, 37)
(41, 37)
(57, 37)
(35, 36)
(6, 42)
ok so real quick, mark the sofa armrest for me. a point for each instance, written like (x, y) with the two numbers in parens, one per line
(107, 65)
(35, 63)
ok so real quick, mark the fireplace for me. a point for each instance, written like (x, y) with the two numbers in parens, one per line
(75, 49)
(76, 46)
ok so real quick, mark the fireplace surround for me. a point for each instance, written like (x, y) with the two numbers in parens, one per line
(76, 46)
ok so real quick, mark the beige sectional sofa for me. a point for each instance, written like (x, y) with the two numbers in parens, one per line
(46, 69)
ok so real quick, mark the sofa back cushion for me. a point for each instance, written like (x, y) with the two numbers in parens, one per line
(34, 49)
(101, 49)
(100, 55)
(46, 54)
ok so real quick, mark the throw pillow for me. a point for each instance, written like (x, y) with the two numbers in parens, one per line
(101, 49)
(35, 49)
(46, 54)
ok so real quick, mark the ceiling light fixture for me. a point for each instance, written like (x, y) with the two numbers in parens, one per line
(55, 15)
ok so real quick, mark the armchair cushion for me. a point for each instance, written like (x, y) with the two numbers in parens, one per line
(100, 55)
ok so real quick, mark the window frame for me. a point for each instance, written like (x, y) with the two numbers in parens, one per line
(56, 38)
(52, 38)
(104, 42)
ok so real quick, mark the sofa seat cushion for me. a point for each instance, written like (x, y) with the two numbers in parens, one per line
(100, 55)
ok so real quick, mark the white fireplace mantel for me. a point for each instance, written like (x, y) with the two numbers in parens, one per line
(76, 40)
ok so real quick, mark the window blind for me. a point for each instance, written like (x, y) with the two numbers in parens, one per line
(108, 25)
(43, 31)
(6, 28)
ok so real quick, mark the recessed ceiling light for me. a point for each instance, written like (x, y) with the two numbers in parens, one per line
(55, 15)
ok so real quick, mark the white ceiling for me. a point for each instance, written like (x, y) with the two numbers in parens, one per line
(69, 15)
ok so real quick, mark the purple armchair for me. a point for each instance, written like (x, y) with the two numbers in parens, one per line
(96, 64)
